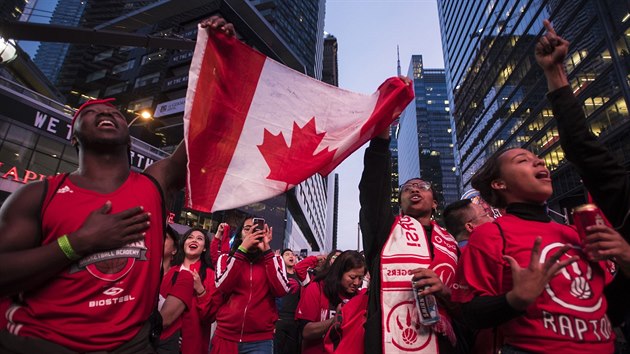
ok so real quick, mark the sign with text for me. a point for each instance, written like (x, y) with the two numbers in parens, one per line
(50, 122)
(170, 107)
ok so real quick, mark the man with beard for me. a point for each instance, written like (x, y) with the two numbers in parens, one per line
(83, 250)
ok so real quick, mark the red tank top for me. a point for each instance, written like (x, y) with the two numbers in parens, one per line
(102, 300)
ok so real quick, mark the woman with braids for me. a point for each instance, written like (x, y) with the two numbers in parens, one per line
(542, 299)
(322, 299)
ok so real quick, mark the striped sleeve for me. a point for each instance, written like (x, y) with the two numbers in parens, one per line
(228, 269)
(276, 274)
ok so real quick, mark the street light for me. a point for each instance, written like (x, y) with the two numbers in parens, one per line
(8, 51)
(144, 115)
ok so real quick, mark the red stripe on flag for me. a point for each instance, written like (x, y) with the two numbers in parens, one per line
(394, 96)
(224, 92)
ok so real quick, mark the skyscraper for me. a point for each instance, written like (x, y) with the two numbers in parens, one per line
(50, 56)
(497, 91)
(425, 147)
(301, 24)
(330, 69)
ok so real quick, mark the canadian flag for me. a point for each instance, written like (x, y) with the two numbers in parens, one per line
(254, 128)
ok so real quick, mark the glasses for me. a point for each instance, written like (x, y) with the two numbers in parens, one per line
(423, 185)
(486, 214)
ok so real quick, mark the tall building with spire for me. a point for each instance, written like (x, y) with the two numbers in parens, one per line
(425, 147)
(393, 148)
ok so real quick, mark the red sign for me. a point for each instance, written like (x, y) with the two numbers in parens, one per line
(28, 175)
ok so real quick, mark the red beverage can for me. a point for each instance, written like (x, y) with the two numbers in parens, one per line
(586, 215)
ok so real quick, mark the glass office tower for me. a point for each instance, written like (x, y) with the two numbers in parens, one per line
(425, 145)
(497, 91)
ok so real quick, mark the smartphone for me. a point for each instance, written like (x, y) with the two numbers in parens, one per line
(259, 224)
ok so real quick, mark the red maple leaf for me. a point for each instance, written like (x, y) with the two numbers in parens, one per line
(293, 164)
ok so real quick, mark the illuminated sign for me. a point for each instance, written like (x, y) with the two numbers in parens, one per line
(14, 174)
(52, 122)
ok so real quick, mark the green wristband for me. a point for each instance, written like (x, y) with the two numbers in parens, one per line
(67, 249)
(242, 249)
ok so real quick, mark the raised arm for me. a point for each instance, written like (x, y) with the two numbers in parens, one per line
(276, 274)
(375, 190)
(604, 177)
(29, 264)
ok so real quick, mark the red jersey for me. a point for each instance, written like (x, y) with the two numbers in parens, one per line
(178, 283)
(102, 300)
(196, 322)
(314, 306)
(569, 316)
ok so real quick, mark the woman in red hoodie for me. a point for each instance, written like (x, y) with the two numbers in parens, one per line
(250, 278)
(322, 299)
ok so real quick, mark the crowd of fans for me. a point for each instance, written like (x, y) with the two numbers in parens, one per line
(504, 276)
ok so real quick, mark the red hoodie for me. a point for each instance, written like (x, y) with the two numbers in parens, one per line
(251, 284)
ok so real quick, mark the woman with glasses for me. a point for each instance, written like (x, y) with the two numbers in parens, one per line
(401, 249)
(322, 299)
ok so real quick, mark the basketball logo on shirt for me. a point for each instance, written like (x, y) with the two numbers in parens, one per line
(113, 264)
(404, 328)
(572, 287)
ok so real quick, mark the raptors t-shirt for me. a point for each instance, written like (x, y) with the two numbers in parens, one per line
(314, 307)
(102, 300)
(570, 314)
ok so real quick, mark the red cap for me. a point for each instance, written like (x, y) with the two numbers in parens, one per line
(105, 101)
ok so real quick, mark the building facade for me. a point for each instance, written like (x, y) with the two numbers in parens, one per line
(330, 68)
(50, 56)
(425, 147)
(301, 25)
(497, 91)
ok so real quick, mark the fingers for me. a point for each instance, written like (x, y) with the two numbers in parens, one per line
(562, 264)
(218, 23)
(129, 212)
(535, 257)
(513, 263)
(229, 29)
(600, 228)
(106, 208)
(420, 273)
(405, 79)
(548, 26)
(556, 256)
(136, 228)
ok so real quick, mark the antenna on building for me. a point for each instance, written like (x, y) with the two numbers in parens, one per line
(398, 53)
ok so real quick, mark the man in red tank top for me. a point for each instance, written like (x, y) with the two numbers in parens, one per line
(83, 251)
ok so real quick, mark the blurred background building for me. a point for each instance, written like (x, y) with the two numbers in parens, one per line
(497, 91)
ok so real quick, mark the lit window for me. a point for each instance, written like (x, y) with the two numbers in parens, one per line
(151, 57)
(123, 67)
(147, 80)
(95, 75)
